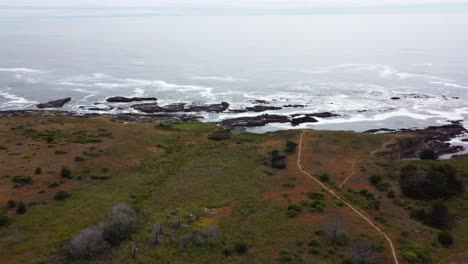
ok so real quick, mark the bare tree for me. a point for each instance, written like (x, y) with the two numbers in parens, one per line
(335, 229)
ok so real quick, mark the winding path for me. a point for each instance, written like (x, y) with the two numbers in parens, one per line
(395, 258)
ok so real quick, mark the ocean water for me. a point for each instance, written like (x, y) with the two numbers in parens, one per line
(351, 65)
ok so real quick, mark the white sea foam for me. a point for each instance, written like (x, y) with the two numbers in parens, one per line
(15, 100)
(215, 78)
(450, 85)
(19, 70)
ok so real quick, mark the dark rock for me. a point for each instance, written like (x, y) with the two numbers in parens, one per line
(380, 130)
(208, 108)
(263, 108)
(319, 115)
(465, 140)
(148, 108)
(237, 110)
(301, 120)
(260, 102)
(177, 107)
(121, 99)
(395, 98)
(252, 121)
(294, 106)
(92, 108)
(54, 104)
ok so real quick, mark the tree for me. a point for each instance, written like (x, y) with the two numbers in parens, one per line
(335, 230)
(438, 216)
(364, 251)
(87, 243)
(21, 209)
(445, 238)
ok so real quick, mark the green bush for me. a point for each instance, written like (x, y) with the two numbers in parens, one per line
(22, 180)
(287, 257)
(11, 204)
(375, 179)
(315, 195)
(79, 159)
(219, 135)
(66, 172)
(314, 243)
(21, 209)
(292, 213)
(291, 147)
(62, 195)
(241, 247)
(445, 238)
(415, 253)
(54, 185)
(5, 220)
(324, 177)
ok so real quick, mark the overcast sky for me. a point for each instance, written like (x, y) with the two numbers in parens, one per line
(250, 6)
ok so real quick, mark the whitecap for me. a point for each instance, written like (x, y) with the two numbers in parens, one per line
(19, 70)
(215, 78)
(450, 84)
(14, 99)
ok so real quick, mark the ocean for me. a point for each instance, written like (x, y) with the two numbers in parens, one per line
(356, 66)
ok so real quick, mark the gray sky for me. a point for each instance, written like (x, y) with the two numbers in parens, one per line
(225, 3)
(236, 7)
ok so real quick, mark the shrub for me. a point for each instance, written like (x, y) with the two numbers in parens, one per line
(391, 194)
(383, 186)
(79, 159)
(60, 152)
(38, 171)
(287, 257)
(62, 195)
(11, 204)
(241, 248)
(87, 243)
(415, 253)
(291, 147)
(314, 243)
(119, 224)
(66, 172)
(21, 209)
(278, 161)
(434, 183)
(324, 177)
(96, 177)
(315, 195)
(375, 179)
(5, 220)
(22, 180)
(292, 213)
(220, 135)
(295, 207)
(428, 154)
(438, 216)
(227, 252)
(445, 239)
(54, 185)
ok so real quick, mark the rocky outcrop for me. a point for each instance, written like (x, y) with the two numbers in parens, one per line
(252, 121)
(319, 115)
(148, 108)
(54, 104)
(294, 106)
(121, 99)
(263, 108)
(301, 120)
(217, 108)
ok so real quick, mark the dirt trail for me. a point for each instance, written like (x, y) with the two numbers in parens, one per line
(395, 258)
(353, 172)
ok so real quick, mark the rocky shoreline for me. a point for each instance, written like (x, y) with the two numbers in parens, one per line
(435, 138)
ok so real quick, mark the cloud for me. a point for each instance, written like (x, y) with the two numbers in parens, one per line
(255, 4)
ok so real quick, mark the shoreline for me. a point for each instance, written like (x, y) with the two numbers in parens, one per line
(448, 140)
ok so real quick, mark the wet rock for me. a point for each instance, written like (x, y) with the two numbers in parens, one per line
(380, 130)
(260, 102)
(252, 121)
(54, 104)
(148, 108)
(121, 99)
(395, 98)
(217, 108)
(262, 108)
(177, 107)
(319, 115)
(294, 106)
(301, 120)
